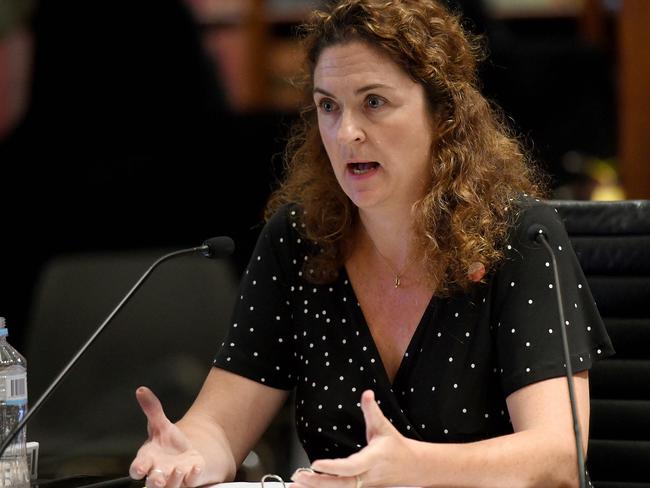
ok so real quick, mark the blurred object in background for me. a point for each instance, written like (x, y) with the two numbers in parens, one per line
(534, 8)
(556, 86)
(255, 50)
(15, 61)
(634, 96)
(589, 178)
(604, 172)
(126, 141)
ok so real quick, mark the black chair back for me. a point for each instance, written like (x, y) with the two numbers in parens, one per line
(612, 242)
(164, 337)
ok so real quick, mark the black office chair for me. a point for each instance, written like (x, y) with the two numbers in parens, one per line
(165, 338)
(612, 242)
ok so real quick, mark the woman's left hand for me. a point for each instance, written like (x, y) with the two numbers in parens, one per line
(387, 460)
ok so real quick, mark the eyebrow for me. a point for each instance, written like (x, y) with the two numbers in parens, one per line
(358, 91)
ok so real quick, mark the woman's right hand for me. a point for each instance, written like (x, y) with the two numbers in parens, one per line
(227, 417)
(167, 458)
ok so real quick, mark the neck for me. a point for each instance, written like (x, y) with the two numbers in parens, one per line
(391, 233)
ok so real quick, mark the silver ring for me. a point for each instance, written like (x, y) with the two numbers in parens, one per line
(359, 482)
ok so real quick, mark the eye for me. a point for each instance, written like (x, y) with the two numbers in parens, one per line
(375, 101)
(327, 105)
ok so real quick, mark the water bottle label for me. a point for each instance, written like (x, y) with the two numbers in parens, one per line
(15, 389)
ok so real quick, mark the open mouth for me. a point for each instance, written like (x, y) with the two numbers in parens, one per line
(363, 168)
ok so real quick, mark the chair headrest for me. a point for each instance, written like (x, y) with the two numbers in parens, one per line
(625, 217)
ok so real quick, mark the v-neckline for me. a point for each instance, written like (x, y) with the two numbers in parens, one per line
(380, 367)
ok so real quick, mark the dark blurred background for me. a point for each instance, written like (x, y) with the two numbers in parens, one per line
(157, 124)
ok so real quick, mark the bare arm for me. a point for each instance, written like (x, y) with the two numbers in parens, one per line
(227, 418)
(240, 408)
(541, 451)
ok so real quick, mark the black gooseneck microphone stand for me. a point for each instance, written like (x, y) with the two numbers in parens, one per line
(538, 233)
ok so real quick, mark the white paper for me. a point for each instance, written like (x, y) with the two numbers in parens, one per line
(240, 484)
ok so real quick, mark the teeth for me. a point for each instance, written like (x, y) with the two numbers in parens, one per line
(362, 168)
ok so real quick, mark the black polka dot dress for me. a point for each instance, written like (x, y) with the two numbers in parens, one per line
(468, 353)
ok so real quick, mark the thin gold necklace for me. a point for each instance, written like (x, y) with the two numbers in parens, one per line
(398, 274)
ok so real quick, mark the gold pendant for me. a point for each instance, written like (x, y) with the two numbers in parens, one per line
(397, 281)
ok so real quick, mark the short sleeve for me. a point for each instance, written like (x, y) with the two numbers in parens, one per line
(527, 319)
(258, 344)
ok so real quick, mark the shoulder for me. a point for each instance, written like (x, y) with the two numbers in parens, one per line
(282, 217)
(529, 214)
(284, 223)
(521, 251)
(283, 235)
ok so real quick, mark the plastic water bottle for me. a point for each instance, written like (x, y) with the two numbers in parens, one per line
(14, 470)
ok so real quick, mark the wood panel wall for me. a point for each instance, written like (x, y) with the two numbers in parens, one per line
(634, 97)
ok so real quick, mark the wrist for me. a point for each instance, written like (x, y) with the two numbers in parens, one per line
(438, 465)
(420, 464)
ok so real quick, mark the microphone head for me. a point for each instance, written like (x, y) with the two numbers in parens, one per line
(536, 232)
(218, 247)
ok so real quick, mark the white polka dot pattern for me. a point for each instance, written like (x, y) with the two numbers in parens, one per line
(467, 354)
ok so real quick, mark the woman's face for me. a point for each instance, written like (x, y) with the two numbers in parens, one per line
(375, 125)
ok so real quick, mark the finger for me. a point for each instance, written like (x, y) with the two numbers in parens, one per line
(140, 467)
(151, 407)
(193, 476)
(175, 478)
(376, 423)
(353, 465)
(156, 478)
(316, 480)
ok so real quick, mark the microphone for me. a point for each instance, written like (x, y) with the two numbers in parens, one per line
(214, 248)
(218, 247)
(539, 234)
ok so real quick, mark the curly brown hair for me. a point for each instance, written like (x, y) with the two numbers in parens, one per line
(478, 167)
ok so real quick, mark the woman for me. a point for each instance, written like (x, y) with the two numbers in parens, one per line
(394, 286)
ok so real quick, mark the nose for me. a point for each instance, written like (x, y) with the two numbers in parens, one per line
(350, 129)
